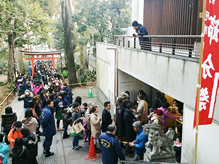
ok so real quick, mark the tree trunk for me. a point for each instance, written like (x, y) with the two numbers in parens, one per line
(68, 46)
(11, 58)
(21, 61)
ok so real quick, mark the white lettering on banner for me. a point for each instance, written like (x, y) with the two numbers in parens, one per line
(213, 29)
(207, 65)
(213, 95)
(203, 98)
(212, 1)
(207, 15)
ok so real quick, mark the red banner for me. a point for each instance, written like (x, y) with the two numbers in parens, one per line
(210, 65)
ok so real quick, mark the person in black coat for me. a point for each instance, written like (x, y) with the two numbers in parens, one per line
(129, 119)
(7, 120)
(106, 117)
(31, 143)
(120, 123)
(20, 154)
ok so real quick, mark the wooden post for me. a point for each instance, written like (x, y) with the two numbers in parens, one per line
(53, 61)
(199, 82)
(32, 65)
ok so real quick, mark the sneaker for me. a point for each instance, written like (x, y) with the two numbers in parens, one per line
(79, 146)
(48, 154)
(85, 140)
(58, 129)
(44, 151)
(75, 148)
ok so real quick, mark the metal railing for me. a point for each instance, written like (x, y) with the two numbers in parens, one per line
(181, 45)
(6, 98)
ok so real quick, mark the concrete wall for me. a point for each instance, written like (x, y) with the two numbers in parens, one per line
(176, 77)
(208, 142)
(103, 63)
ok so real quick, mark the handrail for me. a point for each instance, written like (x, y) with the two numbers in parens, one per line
(162, 36)
(7, 97)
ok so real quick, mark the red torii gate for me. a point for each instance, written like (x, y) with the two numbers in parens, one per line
(42, 56)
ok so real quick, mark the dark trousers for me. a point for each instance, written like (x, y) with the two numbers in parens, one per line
(145, 45)
(65, 131)
(58, 123)
(75, 141)
(128, 149)
(88, 135)
(47, 143)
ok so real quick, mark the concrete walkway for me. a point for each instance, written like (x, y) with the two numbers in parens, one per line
(63, 147)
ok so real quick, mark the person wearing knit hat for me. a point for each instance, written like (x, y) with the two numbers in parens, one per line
(139, 142)
(140, 31)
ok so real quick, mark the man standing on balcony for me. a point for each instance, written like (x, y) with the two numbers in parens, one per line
(141, 31)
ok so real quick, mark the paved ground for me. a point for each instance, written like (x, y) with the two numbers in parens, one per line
(63, 148)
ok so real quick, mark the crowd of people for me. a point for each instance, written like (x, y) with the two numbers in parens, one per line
(48, 101)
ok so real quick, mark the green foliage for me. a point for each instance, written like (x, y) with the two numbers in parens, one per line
(2, 83)
(65, 74)
(106, 17)
(11, 86)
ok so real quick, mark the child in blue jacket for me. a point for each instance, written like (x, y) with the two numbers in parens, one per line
(4, 148)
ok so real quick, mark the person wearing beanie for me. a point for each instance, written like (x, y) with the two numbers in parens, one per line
(7, 120)
(26, 98)
(141, 31)
(110, 146)
(139, 142)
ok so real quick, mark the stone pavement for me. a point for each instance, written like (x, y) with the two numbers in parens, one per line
(63, 147)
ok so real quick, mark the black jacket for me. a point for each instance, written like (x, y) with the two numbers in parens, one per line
(106, 120)
(30, 142)
(26, 101)
(8, 120)
(120, 123)
(141, 30)
(20, 155)
(129, 119)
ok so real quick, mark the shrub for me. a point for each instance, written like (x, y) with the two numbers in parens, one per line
(65, 74)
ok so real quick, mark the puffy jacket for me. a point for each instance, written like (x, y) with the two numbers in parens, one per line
(20, 155)
(13, 134)
(111, 149)
(8, 120)
(75, 115)
(4, 148)
(31, 124)
(120, 123)
(31, 143)
(47, 121)
(140, 141)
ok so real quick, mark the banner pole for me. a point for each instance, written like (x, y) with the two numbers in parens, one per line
(199, 81)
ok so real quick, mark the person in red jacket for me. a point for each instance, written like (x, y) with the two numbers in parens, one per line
(14, 133)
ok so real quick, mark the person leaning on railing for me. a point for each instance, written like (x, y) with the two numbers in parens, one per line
(141, 31)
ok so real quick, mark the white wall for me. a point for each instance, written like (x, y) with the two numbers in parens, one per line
(174, 76)
(208, 142)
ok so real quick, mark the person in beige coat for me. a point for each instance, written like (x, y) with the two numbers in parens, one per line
(30, 122)
(95, 125)
(142, 110)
